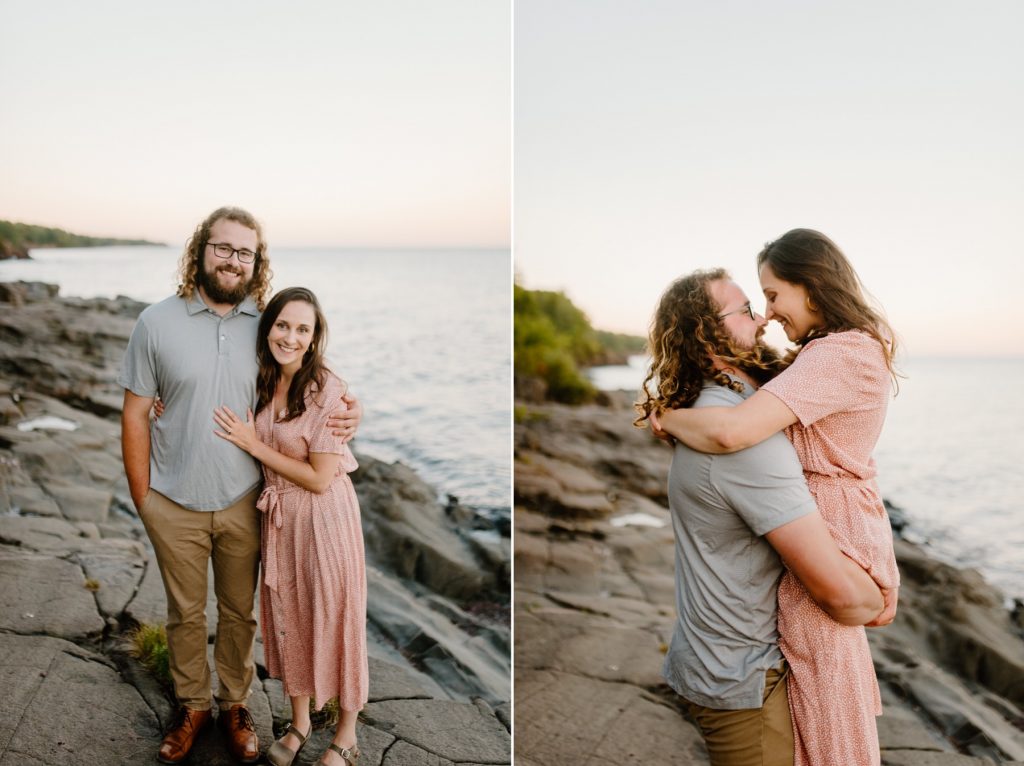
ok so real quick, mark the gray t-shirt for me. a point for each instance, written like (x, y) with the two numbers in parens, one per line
(726, 573)
(196, 360)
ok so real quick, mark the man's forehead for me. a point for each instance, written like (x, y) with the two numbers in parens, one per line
(726, 292)
(237, 233)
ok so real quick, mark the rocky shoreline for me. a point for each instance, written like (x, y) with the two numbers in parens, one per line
(594, 609)
(77, 574)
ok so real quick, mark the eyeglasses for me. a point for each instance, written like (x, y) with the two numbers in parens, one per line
(744, 309)
(224, 251)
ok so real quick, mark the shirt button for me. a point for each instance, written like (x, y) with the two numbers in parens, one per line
(223, 337)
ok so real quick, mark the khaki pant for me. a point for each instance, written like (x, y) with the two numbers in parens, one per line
(184, 542)
(759, 737)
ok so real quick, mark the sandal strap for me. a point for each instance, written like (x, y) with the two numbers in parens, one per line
(302, 737)
(349, 754)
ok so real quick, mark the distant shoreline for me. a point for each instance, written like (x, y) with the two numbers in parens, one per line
(16, 239)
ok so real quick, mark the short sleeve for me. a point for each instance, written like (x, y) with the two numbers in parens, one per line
(319, 407)
(840, 372)
(138, 365)
(764, 484)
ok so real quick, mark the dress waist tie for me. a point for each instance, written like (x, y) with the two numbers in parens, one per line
(841, 480)
(270, 503)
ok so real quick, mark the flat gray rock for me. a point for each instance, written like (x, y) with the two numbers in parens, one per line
(42, 594)
(63, 705)
(152, 691)
(504, 714)
(592, 645)
(43, 535)
(563, 718)
(47, 459)
(452, 730)
(81, 503)
(460, 664)
(149, 605)
(918, 758)
(404, 754)
(117, 567)
(899, 729)
(958, 713)
(28, 498)
(407, 530)
(389, 681)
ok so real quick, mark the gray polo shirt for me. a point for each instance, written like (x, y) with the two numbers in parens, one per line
(725, 635)
(196, 360)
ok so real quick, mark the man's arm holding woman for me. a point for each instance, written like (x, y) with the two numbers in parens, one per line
(837, 584)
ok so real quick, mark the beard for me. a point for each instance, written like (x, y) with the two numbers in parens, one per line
(216, 292)
(760, 361)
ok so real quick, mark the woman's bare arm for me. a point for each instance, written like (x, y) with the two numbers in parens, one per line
(728, 429)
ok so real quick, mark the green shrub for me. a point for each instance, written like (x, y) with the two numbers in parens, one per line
(327, 717)
(148, 644)
(551, 339)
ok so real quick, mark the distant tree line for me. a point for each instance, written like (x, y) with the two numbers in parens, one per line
(17, 238)
(553, 340)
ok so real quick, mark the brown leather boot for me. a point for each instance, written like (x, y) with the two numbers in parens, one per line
(239, 732)
(182, 735)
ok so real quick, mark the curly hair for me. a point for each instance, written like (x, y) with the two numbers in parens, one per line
(809, 258)
(192, 259)
(686, 334)
(314, 368)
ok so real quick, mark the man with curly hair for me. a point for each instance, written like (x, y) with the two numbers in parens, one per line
(737, 517)
(196, 494)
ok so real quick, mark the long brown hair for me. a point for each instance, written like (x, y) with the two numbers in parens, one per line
(809, 258)
(686, 334)
(312, 375)
(192, 258)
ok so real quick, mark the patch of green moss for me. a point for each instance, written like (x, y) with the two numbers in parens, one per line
(148, 644)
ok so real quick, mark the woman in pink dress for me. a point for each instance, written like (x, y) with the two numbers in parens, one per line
(313, 589)
(831, 400)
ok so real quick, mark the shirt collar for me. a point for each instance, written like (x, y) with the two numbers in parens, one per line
(248, 306)
(196, 305)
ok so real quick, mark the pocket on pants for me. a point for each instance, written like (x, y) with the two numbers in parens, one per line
(775, 681)
(777, 742)
(145, 503)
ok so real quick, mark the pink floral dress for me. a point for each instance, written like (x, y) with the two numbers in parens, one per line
(838, 387)
(313, 589)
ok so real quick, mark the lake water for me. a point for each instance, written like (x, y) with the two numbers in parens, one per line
(951, 456)
(422, 337)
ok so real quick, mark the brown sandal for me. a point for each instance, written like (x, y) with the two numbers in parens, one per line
(351, 755)
(279, 755)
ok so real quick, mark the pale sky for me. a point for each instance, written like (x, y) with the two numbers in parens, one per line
(654, 138)
(340, 122)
